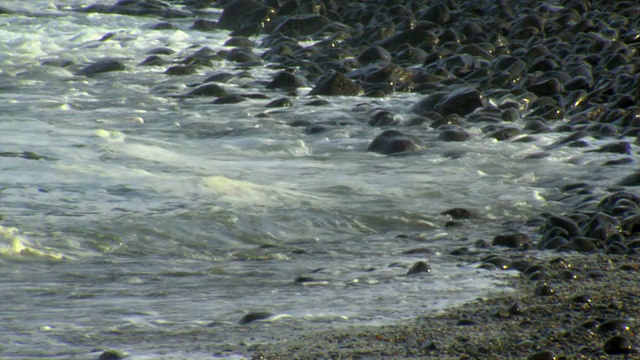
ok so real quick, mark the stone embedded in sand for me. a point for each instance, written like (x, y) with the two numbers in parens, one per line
(544, 290)
(618, 345)
(543, 355)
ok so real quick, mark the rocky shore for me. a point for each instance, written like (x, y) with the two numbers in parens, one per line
(515, 70)
(567, 307)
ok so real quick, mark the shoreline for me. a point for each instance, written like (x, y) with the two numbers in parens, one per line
(578, 307)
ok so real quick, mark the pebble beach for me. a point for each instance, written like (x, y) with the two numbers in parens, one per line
(324, 179)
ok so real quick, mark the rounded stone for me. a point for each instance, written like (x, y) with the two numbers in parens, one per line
(544, 290)
(543, 355)
(511, 240)
(419, 267)
(254, 316)
(453, 134)
(337, 85)
(618, 345)
(393, 141)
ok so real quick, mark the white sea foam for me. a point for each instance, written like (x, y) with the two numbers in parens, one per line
(145, 218)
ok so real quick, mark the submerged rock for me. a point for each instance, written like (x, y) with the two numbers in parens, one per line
(255, 316)
(102, 66)
(393, 141)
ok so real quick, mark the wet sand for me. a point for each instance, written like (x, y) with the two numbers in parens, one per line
(582, 307)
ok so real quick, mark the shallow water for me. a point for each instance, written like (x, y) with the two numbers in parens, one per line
(136, 220)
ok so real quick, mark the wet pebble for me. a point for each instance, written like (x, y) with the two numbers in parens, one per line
(282, 102)
(112, 355)
(618, 345)
(614, 326)
(337, 85)
(544, 290)
(393, 141)
(543, 355)
(511, 240)
(453, 134)
(254, 316)
(419, 267)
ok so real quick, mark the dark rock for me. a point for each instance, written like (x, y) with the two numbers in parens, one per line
(573, 137)
(618, 345)
(162, 51)
(282, 102)
(453, 134)
(546, 87)
(286, 80)
(101, 66)
(621, 147)
(516, 308)
(138, 8)
(504, 133)
(428, 103)
(393, 141)
(459, 213)
(410, 56)
(414, 37)
(461, 102)
(179, 70)
(240, 42)
(497, 261)
(204, 25)
(244, 56)
(208, 90)
(616, 248)
(543, 355)
(337, 85)
(511, 240)
(438, 13)
(302, 26)
(466, 322)
(623, 161)
(419, 267)
(153, 60)
(222, 77)
(374, 54)
(315, 129)
(614, 326)
(240, 13)
(383, 118)
(317, 102)
(112, 355)
(428, 346)
(229, 99)
(564, 223)
(583, 244)
(630, 180)
(162, 26)
(254, 316)
(544, 290)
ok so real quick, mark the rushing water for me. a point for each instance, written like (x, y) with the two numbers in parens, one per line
(140, 221)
